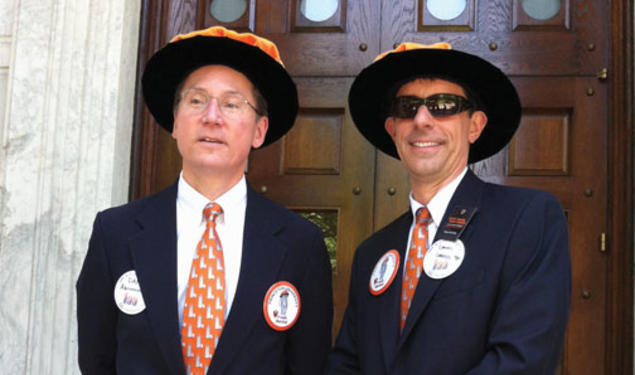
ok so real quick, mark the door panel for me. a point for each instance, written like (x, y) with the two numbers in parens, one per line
(573, 42)
(391, 190)
(340, 46)
(560, 147)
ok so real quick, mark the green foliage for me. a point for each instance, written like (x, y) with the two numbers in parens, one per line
(327, 221)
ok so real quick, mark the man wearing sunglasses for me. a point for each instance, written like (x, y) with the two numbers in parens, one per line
(192, 280)
(475, 277)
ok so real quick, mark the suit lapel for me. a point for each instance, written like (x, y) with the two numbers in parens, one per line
(262, 257)
(390, 301)
(153, 252)
(467, 194)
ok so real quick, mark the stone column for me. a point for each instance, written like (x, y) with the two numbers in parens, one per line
(66, 96)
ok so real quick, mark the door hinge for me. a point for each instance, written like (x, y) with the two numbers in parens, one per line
(603, 242)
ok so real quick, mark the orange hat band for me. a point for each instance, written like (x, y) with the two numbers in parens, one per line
(263, 44)
(407, 46)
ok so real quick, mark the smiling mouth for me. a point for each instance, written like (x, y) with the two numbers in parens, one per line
(425, 144)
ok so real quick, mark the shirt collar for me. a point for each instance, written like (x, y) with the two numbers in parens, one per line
(439, 203)
(195, 202)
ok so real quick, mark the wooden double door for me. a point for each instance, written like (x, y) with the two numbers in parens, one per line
(560, 62)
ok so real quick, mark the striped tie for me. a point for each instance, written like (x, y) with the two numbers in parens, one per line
(414, 262)
(204, 311)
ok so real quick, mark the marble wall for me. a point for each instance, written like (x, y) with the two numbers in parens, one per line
(67, 75)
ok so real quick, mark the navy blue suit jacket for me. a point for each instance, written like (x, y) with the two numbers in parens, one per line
(504, 311)
(141, 236)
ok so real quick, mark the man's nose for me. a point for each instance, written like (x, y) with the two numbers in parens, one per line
(212, 111)
(423, 117)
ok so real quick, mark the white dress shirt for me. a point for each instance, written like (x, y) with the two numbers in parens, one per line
(190, 225)
(437, 206)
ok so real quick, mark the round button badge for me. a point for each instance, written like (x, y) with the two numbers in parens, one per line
(281, 306)
(127, 293)
(443, 258)
(384, 272)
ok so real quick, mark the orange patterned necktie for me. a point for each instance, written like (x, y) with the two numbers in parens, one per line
(414, 264)
(204, 311)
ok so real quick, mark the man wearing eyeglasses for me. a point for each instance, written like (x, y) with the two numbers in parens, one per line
(479, 278)
(189, 280)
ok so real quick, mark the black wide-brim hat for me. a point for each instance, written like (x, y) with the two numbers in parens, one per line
(369, 99)
(255, 57)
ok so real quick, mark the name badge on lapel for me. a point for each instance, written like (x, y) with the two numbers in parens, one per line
(128, 296)
(384, 272)
(446, 255)
(281, 306)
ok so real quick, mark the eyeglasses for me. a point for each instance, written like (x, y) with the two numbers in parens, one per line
(439, 105)
(232, 105)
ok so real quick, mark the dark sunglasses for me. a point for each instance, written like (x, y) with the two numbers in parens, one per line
(439, 105)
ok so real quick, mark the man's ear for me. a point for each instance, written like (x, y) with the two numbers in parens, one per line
(174, 123)
(262, 125)
(478, 120)
(174, 128)
(389, 125)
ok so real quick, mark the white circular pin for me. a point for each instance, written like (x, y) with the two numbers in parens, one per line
(282, 306)
(443, 258)
(384, 272)
(128, 297)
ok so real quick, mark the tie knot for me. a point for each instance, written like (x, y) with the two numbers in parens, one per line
(423, 215)
(212, 211)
